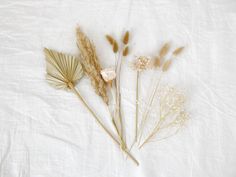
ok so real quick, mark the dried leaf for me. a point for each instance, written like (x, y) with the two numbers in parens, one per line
(62, 69)
(126, 51)
(178, 51)
(166, 65)
(126, 38)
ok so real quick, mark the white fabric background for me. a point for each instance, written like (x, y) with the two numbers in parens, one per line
(46, 132)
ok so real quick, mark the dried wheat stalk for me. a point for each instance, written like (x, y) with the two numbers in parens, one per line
(63, 72)
(91, 64)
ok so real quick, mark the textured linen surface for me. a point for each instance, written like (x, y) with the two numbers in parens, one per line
(48, 133)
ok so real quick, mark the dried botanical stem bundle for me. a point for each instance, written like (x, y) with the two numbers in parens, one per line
(171, 112)
(93, 69)
(118, 55)
(63, 72)
(165, 65)
(91, 64)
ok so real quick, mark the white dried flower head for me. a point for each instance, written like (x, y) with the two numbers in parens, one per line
(142, 63)
(108, 74)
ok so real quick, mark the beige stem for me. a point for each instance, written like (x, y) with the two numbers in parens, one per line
(150, 103)
(137, 107)
(74, 90)
(156, 129)
(118, 96)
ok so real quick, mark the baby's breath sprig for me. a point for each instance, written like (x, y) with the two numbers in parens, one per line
(171, 112)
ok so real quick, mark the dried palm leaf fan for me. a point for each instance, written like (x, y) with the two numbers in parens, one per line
(63, 72)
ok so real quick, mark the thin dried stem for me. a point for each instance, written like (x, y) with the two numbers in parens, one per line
(75, 91)
(149, 106)
(137, 107)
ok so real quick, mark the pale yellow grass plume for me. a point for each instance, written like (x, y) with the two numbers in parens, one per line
(91, 65)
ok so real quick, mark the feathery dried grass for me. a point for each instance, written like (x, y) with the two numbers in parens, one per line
(91, 65)
(62, 69)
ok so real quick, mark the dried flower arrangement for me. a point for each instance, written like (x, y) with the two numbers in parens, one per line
(64, 72)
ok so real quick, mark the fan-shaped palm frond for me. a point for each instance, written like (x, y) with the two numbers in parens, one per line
(62, 69)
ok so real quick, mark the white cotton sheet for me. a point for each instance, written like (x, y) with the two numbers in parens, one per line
(48, 133)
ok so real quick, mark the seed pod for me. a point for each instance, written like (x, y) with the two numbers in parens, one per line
(178, 51)
(126, 38)
(115, 47)
(166, 65)
(157, 62)
(126, 51)
(164, 50)
(110, 39)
